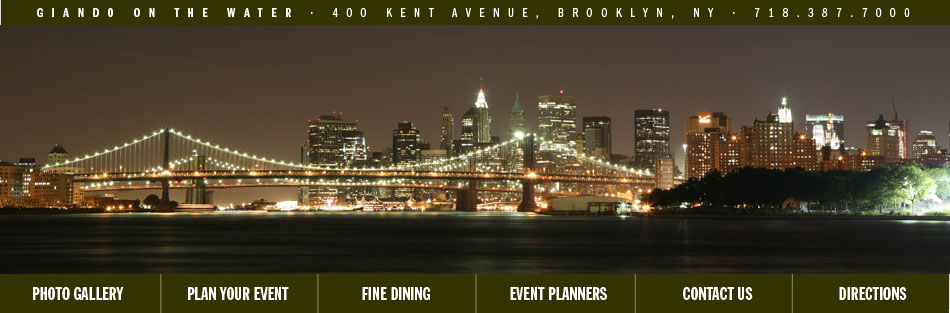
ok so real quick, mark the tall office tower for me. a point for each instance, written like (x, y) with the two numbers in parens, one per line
(925, 143)
(784, 112)
(772, 143)
(597, 136)
(482, 118)
(651, 136)
(900, 128)
(354, 148)
(407, 144)
(466, 141)
(330, 143)
(516, 120)
(884, 140)
(703, 131)
(825, 129)
(326, 140)
(447, 131)
(557, 122)
(803, 152)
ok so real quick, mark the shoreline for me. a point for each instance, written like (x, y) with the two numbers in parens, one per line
(797, 217)
(55, 211)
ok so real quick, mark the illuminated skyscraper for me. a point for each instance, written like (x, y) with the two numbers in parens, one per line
(447, 131)
(354, 148)
(900, 128)
(651, 136)
(557, 122)
(772, 143)
(784, 113)
(326, 139)
(516, 120)
(703, 132)
(825, 129)
(407, 144)
(482, 122)
(331, 142)
(884, 140)
(925, 143)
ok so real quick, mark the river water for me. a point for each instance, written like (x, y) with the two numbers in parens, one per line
(463, 243)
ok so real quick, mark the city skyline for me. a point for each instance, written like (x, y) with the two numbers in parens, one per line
(132, 80)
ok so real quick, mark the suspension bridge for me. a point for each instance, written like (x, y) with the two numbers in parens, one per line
(170, 159)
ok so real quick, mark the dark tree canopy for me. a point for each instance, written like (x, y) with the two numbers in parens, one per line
(753, 188)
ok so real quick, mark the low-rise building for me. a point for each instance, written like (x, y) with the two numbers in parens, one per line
(587, 204)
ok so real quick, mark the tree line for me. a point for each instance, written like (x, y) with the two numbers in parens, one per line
(889, 186)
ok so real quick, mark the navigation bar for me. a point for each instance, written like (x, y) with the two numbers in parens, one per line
(495, 293)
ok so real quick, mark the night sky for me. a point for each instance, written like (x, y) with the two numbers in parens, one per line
(254, 88)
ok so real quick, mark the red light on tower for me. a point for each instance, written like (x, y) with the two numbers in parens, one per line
(562, 91)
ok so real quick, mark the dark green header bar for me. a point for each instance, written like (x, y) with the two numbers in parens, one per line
(427, 12)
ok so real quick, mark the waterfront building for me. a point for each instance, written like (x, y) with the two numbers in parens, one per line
(59, 155)
(26, 185)
(11, 181)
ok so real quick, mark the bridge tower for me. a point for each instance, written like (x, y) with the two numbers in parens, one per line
(166, 133)
(467, 199)
(527, 184)
(199, 193)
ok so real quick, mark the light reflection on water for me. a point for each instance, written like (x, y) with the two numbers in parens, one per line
(455, 242)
